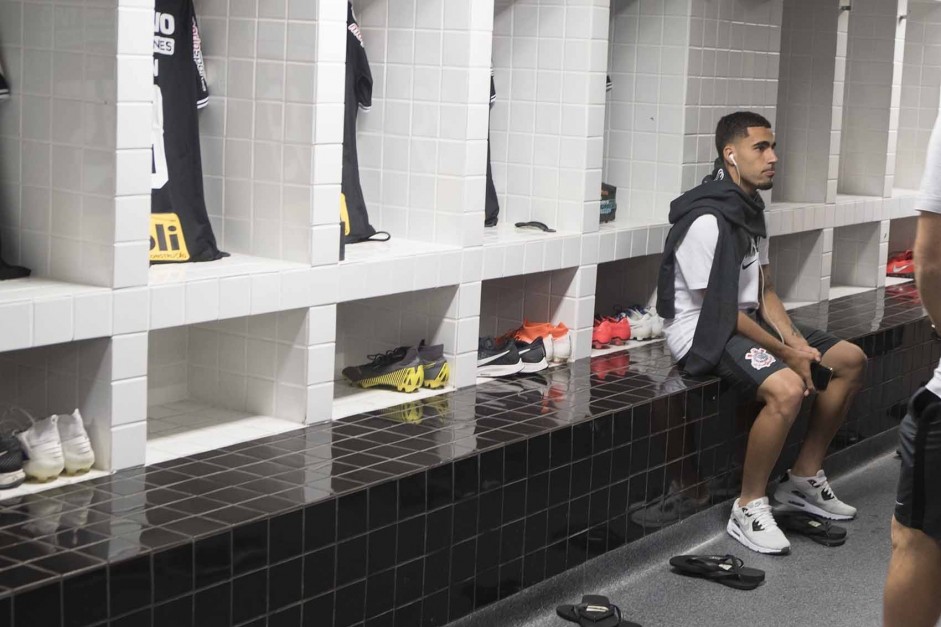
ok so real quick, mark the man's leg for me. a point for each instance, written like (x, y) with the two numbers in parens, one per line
(912, 595)
(782, 394)
(848, 362)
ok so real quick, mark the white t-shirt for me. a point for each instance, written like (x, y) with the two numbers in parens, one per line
(931, 201)
(694, 256)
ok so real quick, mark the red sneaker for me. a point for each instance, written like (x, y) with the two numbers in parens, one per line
(601, 333)
(620, 330)
(901, 264)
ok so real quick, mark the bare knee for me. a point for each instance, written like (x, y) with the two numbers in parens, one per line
(848, 362)
(783, 394)
(908, 540)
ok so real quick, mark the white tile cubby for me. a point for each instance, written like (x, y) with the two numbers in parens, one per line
(859, 255)
(444, 315)
(875, 51)
(810, 100)
(563, 296)
(921, 90)
(800, 268)
(235, 379)
(546, 126)
(902, 234)
(271, 139)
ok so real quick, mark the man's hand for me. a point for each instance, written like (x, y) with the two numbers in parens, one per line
(799, 361)
(797, 342)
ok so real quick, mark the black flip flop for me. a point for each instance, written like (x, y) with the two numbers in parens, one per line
(725, 569)
(818, 529)
(594, 611)
(542, 226)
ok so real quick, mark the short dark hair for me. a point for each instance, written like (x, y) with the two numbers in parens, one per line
(735, 125)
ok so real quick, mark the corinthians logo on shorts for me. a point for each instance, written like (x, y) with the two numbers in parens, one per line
(760, 358)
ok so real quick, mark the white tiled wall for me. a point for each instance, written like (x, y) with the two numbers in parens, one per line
(871, 105)
(734, 54)
(74, 144)
(446, 315)
(272, 132)
(647, 63)
(423, 145)
(565, 296)
(921, 89)
(547, 125)
(902, 234)
(809, 99)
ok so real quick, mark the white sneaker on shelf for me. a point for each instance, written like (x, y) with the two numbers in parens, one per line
(656, 322)
(42, 449)
(754, 526)
(812, 495)
(76, 447)
(642, 324)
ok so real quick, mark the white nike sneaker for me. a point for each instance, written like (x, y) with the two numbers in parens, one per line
(76, 447)
(642, 324)
(656, 322)
(812, 495)
(43, 450)
(754, 526)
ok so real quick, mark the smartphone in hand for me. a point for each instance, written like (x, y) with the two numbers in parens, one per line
(820, 375)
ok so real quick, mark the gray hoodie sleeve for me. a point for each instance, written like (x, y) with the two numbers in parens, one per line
(930, 199)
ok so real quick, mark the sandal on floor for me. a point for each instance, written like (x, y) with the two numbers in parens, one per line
(816, 528)
(725, 569)
(594, 611)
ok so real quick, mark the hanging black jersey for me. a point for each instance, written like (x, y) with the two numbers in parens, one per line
(179, 223)
(4, 87)
(491, 203)
(6, 270)
(353, 214)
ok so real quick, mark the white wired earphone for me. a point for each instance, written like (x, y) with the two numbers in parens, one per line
(761, 270)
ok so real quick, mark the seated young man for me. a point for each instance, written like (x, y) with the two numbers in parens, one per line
(723, 317)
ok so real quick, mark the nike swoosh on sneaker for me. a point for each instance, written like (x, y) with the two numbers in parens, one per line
(487, 360)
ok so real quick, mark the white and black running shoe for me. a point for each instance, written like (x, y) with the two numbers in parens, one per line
(497, 359)
(533, 355)
(11, 462)
(812, 495)
(754, 526)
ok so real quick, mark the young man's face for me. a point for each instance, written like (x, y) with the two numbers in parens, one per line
(755, 158)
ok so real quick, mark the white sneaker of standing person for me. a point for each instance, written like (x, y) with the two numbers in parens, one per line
(812, 495)
(76, 447)
(754, 526)
(42, 449)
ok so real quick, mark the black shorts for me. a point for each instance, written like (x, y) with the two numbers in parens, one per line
(745, 365)
(918, 502)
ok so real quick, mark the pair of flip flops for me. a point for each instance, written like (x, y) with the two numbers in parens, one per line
(727, 570)
(594, 611)
(818, 529)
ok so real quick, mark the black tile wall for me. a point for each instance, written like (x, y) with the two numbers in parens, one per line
(419, 514)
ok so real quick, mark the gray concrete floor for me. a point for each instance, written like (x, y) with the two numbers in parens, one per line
(814, 585)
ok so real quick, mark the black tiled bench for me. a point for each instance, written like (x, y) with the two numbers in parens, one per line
(419, 514)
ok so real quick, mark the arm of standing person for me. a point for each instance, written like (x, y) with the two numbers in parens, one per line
(928, 240)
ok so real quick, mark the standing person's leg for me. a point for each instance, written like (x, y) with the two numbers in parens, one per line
(912, 595)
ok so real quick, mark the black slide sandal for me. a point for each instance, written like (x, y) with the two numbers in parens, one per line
(725, 569)
(818, 529)
(594, 611)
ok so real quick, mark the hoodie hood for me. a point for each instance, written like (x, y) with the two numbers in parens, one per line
(717, 191)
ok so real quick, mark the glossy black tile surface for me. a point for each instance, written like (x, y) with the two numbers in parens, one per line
(423, 512)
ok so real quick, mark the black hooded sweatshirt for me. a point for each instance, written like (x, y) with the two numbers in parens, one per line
(741, 222)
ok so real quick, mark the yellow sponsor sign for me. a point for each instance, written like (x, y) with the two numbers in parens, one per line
(167, 242)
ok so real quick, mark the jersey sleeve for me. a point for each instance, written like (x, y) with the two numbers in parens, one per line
(362, 78)
(493, 89)
(696, 252)
(202, 84)
(930, 199)
(4, 86)
(763, 246)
